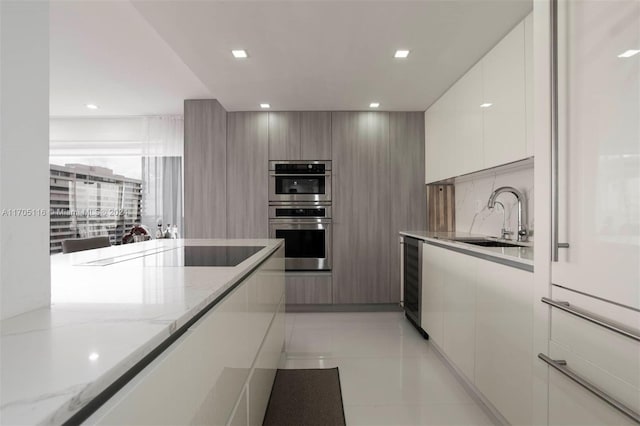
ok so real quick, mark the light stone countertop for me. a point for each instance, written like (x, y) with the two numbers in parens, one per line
(102, 321)
(513, 256)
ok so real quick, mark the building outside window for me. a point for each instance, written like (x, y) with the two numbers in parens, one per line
(110, 174)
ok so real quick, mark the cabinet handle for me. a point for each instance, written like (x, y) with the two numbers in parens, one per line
(594, 318)
(561, 366)
(300, 175)
(554, 133)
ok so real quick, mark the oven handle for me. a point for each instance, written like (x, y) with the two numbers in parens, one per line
(300, 174)
(289, 221)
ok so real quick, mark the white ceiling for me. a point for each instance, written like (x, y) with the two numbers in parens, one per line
(105, 53)
(304, 55)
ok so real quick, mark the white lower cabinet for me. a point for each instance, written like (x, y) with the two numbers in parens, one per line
(459, 285)
(504, 339)
(240, 417)
(480, 314)
(224, 362)
(264, 371)
(432, 312)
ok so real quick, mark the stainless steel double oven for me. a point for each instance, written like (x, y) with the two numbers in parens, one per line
(300, 212)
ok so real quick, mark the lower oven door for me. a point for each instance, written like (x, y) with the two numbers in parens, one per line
(307, 243)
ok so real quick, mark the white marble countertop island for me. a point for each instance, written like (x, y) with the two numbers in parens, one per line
(104, 318)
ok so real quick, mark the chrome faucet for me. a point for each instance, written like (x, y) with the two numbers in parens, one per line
(523, 233)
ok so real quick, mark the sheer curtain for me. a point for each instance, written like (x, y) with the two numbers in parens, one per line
(148, 148)
(162, 155)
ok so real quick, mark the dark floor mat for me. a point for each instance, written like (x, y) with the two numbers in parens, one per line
(310, 397)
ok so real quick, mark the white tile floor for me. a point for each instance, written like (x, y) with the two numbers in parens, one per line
(389, 374)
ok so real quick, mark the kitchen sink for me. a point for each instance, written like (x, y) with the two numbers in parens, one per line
(483, 242)
(491, 244)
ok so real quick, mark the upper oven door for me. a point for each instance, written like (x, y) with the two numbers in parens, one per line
(299, 181)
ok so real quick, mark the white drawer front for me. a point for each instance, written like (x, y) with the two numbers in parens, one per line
(608, 359)
(571, 404)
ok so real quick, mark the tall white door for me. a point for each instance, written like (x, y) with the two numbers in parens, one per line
(599, 149)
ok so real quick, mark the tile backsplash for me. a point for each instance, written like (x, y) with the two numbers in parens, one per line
(472, 193)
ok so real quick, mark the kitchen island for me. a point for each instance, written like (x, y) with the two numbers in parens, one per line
(122, 317)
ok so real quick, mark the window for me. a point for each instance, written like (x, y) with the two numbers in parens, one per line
(110, 174)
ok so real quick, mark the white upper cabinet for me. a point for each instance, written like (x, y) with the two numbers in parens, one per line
(468, 147)
(461, 136)
(504, 88)
(528, 81)
(435, 151)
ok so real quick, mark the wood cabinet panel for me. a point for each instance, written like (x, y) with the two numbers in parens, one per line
(284, 135)
(407, 192)
(308, 288)
(315, 135)
(247, 171)
(362, 226)
(205, 169)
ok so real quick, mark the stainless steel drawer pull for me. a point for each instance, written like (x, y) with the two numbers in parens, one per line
(594, 318)
(561, 366)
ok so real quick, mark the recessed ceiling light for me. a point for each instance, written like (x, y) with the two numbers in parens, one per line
(92, 106)
(265, 106)
(629, 53)
(401, 54)
(94, 356)
(374, 104)
(486, 105)
(239, 54)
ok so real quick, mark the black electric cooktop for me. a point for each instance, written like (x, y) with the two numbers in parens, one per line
(218, 255)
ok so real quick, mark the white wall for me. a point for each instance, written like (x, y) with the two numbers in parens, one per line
(473, 191)
(24, 156)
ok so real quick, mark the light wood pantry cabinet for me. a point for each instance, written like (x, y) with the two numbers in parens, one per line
(361, 207)
(408, 194)
(315, 135)
(295, 135)
(482, 120)
(284, 135)
(247, 172)
(205, 171)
